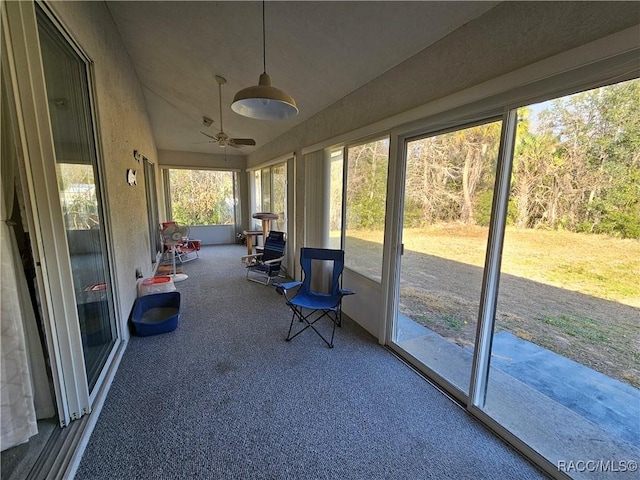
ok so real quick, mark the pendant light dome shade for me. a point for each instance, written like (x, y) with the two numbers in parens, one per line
(264, 102)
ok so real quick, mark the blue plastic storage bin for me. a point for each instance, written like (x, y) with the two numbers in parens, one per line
(156, 313)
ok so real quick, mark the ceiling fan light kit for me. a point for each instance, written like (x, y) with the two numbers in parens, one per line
(263, 101)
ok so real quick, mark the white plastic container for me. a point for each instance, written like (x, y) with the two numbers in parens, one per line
(161, 284)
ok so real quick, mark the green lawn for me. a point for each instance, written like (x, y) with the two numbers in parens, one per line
(597, 265)
(604, 336)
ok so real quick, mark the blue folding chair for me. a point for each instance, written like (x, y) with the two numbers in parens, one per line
(263, 267)
(309, 305)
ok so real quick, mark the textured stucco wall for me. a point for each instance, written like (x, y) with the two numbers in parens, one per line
(124, 126)
(510, 36)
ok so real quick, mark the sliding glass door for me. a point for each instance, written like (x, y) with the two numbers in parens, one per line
(517, 274)
(68, 94)
(448, 191)
(63, 177)
(567, 325)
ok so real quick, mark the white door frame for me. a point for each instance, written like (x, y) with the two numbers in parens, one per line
(60, 314)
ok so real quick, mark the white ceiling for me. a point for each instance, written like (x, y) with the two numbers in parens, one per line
(317, 52)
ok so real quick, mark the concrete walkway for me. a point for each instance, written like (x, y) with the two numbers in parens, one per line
(560, 408)
(607, 402)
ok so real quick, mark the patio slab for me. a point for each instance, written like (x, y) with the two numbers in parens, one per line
(606, 401)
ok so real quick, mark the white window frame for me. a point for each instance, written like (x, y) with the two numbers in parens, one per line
(166, 185)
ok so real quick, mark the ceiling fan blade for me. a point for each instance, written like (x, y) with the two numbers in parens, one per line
(222, 138)
(243, 141)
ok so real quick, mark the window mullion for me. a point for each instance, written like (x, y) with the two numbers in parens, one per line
(345, 170)
(490, 281)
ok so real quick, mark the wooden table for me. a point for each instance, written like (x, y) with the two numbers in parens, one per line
(248, 235)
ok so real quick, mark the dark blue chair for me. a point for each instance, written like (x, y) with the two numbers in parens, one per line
(309, 305)
(263, 267)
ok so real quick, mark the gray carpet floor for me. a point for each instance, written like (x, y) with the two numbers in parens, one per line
(225, 397)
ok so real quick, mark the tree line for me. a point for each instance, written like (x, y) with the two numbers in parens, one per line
(576, 167)
(202, 197)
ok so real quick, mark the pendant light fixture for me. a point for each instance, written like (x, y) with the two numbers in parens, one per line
(263, 101)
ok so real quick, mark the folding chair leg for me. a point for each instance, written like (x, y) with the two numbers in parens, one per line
(305, 318)
(257, 278)
(293, 317)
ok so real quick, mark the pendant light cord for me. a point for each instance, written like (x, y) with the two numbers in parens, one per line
(264, 43)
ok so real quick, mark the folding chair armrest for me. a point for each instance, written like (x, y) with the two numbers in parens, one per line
(287, 285)
(250, 258)
(282, 288)
(275, 260)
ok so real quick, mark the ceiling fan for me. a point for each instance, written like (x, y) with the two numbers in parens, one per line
(222, 138)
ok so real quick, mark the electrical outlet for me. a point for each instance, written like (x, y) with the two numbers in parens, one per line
(137, 156)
